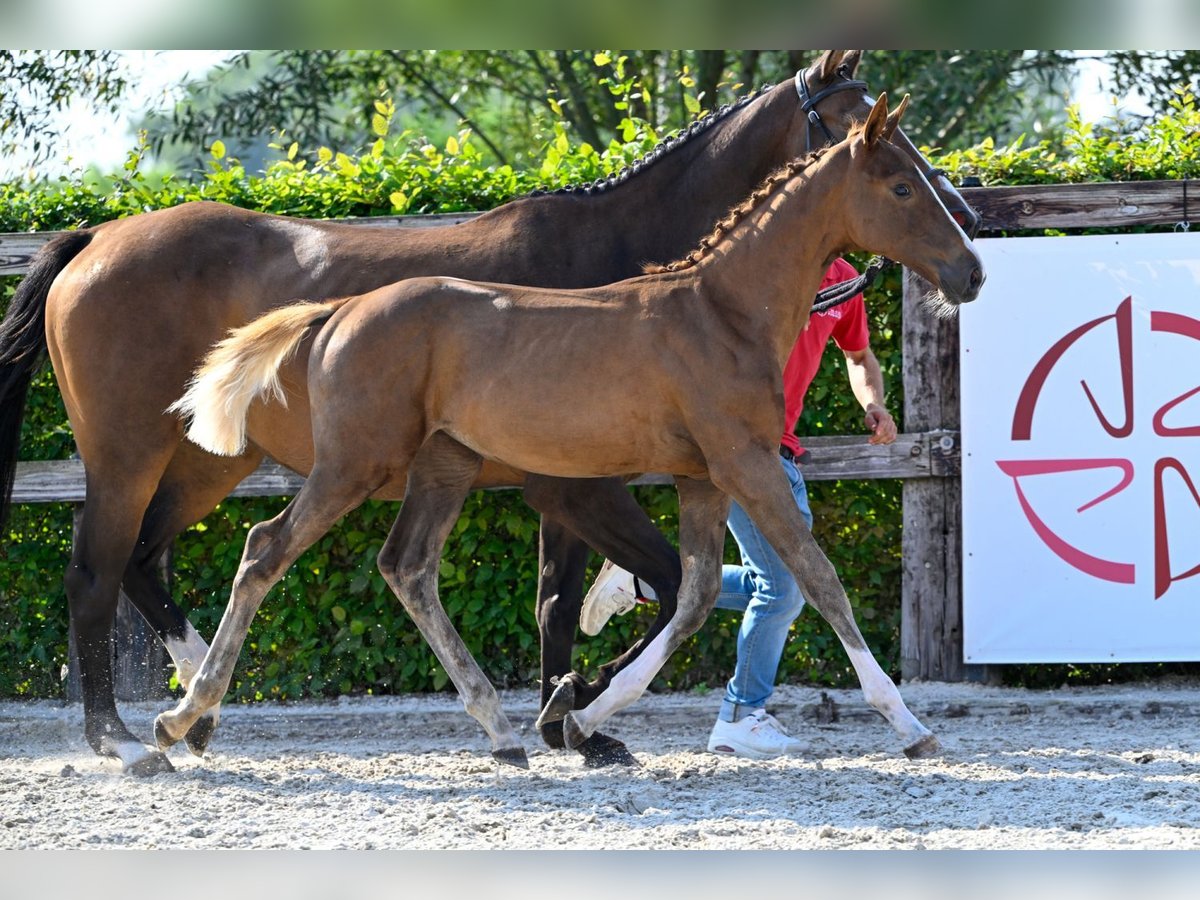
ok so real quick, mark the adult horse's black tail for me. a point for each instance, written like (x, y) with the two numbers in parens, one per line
(23, 347)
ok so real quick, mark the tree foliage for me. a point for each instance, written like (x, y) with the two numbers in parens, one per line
(36, 84)
(510, 99)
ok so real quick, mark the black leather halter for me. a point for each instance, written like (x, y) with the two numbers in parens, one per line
(809, 101)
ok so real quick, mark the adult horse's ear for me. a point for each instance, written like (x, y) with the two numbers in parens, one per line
(893, 119)
(850, 62)
(828, 63)
(877, 121)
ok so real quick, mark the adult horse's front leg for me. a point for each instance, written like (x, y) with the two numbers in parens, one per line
(576, 513)
(703, 510)
(562, 561)
(438, 482)
(602, 513)
(759, 485)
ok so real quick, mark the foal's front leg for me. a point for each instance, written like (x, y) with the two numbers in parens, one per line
(757, 483)
(703, 510)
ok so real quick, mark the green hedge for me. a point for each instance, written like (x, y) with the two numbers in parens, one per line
(332, 626)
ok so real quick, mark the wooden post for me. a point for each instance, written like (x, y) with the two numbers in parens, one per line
(931, 544)
(140, 669)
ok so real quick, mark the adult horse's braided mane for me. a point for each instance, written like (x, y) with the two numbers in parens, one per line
(661, 149)
(768, 187)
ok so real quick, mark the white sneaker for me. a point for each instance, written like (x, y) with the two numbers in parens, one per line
(614, 593)
(758, 735)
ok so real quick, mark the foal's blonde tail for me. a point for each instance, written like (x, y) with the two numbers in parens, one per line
(239, 370)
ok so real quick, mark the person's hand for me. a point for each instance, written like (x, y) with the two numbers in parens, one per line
(881, 425)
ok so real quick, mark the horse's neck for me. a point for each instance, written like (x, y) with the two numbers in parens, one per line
(768, 270)
(660, 213)
(679, 198)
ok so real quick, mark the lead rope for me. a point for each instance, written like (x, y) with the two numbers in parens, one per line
(844, 291)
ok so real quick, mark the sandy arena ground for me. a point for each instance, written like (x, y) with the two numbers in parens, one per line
(1114, 767)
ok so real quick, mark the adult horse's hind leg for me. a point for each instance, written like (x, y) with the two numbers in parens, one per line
(194, 483)
(271, 547)
(703, 510)
(438, 482)
(105, 539)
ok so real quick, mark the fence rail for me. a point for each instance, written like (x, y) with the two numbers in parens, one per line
(927, 455)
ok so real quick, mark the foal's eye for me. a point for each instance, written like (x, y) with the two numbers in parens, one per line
(901, 190)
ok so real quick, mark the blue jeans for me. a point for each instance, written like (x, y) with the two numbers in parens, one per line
(763, 587)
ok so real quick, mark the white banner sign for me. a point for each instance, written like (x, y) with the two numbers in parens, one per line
(1081, 451)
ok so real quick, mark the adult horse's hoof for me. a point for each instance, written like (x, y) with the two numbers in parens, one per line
(512, 756)
(198, 735)
(153, 763)
(561, 702)
(573, 735)
(924, 748)
(600, 750)
(161, 736)
(552, 736)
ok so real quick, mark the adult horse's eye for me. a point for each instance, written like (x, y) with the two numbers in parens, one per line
(901, 190)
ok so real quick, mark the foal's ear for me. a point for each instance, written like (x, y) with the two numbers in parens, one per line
(877, 121)
(893, 120)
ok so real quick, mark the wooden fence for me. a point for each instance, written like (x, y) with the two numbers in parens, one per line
(926, 456)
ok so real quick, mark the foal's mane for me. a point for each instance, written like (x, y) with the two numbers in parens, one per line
(739, 213)
(661, 149)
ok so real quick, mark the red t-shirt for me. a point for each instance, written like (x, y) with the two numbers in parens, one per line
(846, 324)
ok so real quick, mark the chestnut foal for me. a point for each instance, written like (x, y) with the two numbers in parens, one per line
(414, 385)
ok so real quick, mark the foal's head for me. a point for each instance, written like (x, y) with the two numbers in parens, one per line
(892, 209)
(835, 103)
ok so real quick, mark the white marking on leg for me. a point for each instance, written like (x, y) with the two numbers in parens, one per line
(187, 654)
(627, 685)
(879, 691)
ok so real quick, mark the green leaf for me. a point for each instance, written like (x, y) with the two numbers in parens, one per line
(218, 150)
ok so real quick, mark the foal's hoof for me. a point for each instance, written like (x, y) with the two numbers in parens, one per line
(573, 735)
(600, 750)
(561, 702)
(161, 736)
(924, 748)
(198, 735)
(512, 756)
(153, 763)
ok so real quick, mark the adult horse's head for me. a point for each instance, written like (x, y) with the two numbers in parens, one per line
(891, 208)
(830, 102)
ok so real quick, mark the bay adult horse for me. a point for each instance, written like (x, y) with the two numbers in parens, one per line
(127, 310)
(413, 386)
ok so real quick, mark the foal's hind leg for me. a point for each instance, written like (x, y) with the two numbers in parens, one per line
(702, 513)
(271, 547)
(438, 482)
(194, 483)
